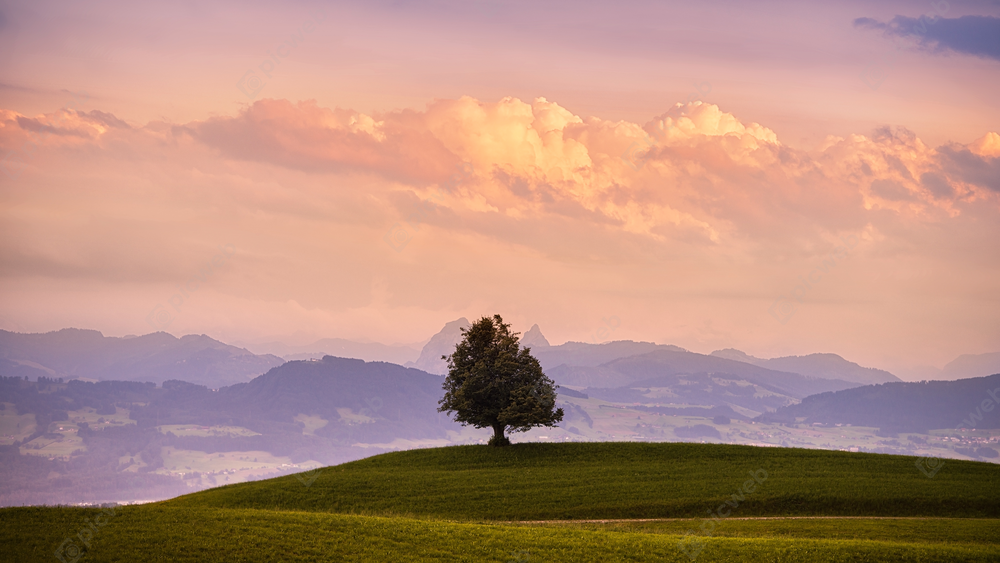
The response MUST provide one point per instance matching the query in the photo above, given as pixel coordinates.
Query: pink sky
(767, 177)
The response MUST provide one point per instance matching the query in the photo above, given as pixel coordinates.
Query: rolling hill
(621, 480)
(902, 407)
(560, 503)
(341, 348)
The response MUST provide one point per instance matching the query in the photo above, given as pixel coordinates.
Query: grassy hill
(458, 504)
(622, 480)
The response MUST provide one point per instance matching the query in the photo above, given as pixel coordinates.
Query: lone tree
(493, 382)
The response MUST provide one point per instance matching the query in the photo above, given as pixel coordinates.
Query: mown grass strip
(158, 533)
(906, 530)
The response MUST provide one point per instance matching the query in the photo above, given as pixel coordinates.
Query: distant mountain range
(828, 366)
(668, 363)
(902, 407)
(199, 359)
(341, 348)
(87, 354)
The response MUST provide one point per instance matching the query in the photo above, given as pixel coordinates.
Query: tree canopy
(494, 383)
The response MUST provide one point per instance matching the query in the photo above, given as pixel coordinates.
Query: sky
(779, 177)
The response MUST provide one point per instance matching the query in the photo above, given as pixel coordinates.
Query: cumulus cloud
(695, 172)
(972, 35)
(971, 168)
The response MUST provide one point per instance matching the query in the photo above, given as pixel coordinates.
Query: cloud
(694, 173)
(65, 123)
(972, 35)
(308, 137)
(971, 168)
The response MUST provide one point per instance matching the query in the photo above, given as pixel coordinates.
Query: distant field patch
(61, 440)
(13, 426)
(221, 468)
(350, 417)
(206, 431)
(310, 424)
(99, 421)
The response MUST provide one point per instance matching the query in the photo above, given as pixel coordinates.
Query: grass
(900, 530)
(162, 533)
(13, 426)
(623, 480)
(457, 504)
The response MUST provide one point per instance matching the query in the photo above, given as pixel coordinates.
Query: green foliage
(493, 383)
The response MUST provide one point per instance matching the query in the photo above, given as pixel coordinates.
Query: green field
(205, 431)
(534, 502)
(13, 426)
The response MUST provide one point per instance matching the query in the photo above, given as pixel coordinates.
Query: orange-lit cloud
(695, 169)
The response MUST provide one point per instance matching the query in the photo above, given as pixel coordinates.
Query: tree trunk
(498, 437)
